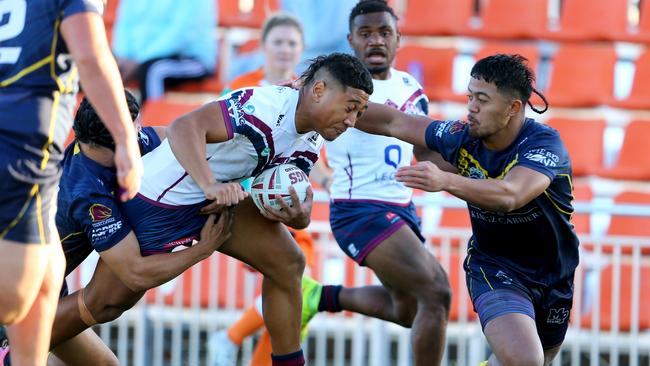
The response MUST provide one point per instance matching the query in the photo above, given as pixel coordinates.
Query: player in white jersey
(371, 214)
(211, 149)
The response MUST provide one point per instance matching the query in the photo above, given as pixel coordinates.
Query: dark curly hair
(90, 129)
(510, 74)
(346, 69)
(370, 6)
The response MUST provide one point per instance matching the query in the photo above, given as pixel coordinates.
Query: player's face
(282, 48)
(488, 109)
(338, 109)
(375, 39)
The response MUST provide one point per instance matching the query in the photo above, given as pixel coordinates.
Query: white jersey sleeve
(262, 133)
(364, 165)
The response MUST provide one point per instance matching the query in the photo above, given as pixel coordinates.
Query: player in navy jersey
(515, 175)
(211, 149)
(45, 46)
(372, 217)
(89, 218)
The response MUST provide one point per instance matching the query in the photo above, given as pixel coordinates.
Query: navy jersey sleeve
(71, 7)
(544, 152)
(446, 137)
(148, 140)
(101, 220)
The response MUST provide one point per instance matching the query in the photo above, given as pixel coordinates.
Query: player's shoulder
(534, 129)
(405, 79)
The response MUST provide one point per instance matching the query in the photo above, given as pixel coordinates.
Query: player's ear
(318, 89)
(350, 39)
(515, 107)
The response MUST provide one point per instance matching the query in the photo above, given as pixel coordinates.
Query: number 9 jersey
(364, 165)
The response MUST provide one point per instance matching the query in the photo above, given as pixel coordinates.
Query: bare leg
(416, 293)
(32, 275)
(106, 298)
(514, 341)
(268, 247)
(84, 349)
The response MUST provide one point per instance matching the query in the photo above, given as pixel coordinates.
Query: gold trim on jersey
(467, 161)
(25, 71)
(21, 213)
(71, 235)
(557, 207)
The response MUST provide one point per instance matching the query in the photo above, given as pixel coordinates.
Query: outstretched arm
(520, 186)
(379, 119)
(140, 273)
(85, 37)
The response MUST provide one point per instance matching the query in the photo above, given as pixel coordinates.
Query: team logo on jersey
(313, 140)
(406, 80)
(280, 118)
(557, 316)
(456, 127)
(542, 156)
(99, 212)
(504, 278)
(353, 250)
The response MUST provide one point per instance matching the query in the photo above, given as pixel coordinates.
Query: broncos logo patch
(99, 212)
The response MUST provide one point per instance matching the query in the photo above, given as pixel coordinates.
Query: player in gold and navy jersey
(45, 47)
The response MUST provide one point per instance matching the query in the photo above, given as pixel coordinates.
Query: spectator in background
(165, 42)
(282, 46)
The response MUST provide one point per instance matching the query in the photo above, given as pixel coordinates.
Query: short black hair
(90, 129)
(510, 73)
(371, 6)
(346, 69)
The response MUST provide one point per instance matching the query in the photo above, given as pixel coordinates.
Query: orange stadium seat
(582, 75)
(632, 162)
(232, 13)
(624, 299)
(436, 17)
(498, 20)
(639, 97)
(576, 135)
(433, 67)
(162, 112)
(458, 288)
(528, 50)
(631, 225)
(110, 13)
(591, 20)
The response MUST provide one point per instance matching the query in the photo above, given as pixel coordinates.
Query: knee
(522, 357)
(14, 306)
(437, 294)
(290, 268)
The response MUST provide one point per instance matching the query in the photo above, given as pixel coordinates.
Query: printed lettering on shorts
(557, 316)
(102, 221)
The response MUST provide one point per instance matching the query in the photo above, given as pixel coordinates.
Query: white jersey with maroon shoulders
(364, 165)
(262, 130)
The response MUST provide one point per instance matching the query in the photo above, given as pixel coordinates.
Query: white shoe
(221, 350)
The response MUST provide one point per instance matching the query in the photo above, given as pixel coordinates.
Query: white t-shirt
(364, 165)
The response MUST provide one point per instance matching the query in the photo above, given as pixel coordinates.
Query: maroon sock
(291, 359)
(329, 299)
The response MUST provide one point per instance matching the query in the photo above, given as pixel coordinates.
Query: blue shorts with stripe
(31, 139)
(496, 290)
(360, 226)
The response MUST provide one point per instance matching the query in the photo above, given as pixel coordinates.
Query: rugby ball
(277, 180)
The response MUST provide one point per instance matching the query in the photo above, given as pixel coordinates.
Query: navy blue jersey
(537, 240)
(38, 79)
(88, 216)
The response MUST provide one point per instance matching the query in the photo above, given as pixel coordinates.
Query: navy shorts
(27, 197)
(496, 291)
(360, 226)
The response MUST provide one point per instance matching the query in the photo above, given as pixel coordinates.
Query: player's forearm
(376, 119)
(154, 270)
(188, 145)
(491, 194)
(102, 84)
